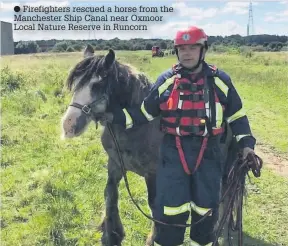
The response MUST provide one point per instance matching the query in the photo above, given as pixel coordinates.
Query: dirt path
(272, 160)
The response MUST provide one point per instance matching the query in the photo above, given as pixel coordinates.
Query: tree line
(256, 42)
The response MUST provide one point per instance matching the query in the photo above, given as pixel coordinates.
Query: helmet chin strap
(200, 60)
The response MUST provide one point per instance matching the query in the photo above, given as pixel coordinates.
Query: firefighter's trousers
(179, 194)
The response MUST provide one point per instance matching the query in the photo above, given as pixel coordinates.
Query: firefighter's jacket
(160, 91)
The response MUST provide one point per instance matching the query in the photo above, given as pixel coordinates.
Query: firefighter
(193, 99)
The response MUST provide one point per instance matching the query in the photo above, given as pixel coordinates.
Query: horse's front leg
(151, 189)
(113, 232)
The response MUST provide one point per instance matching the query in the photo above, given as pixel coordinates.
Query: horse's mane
(123, 80)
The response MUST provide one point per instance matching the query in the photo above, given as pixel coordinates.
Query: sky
(221, 18)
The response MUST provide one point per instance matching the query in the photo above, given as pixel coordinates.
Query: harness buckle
(86, 109)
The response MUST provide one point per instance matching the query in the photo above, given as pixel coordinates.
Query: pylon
(250, 25)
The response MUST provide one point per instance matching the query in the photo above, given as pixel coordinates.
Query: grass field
(52, 190)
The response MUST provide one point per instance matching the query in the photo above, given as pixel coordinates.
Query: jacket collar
(206, 70)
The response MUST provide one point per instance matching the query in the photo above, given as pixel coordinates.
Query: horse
(100, 83)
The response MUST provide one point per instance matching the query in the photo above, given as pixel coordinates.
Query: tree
(163, 45)
(26, 47)
(77, 47)
(275, 46)
(125, 46)
(148, 46)
(61, 46)
(70, 49)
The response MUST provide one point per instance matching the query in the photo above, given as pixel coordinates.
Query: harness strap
(182, 155)
(191, 129)
(210, 81)
(184, 113)
(200, 156)
(190, 87)
(192, 97)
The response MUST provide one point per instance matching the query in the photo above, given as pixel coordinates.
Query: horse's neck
(137, 93)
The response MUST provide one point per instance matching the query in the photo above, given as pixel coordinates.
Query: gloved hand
(246, 151)
(253, 161)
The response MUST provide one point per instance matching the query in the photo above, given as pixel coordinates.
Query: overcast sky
(216, 17)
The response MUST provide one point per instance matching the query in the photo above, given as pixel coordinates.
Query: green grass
(52, 190)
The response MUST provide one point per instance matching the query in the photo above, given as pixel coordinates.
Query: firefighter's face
(189, 54)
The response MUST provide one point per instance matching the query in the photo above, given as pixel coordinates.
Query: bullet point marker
(16, 8)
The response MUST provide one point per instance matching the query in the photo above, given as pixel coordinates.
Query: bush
(26, 47)
(10, 81)
(259, 48)
(77, 47)
(275, 46)
(224, 49)
(61, 46)
(218, 48)
(70, 49)
(246, 51)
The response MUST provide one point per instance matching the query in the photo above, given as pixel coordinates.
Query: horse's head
(90, 81)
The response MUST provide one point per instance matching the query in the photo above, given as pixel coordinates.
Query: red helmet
(191, 35)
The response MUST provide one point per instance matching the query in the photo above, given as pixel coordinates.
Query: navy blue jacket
(160, 91)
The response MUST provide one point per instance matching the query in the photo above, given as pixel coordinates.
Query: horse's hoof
(106, 243)
(112, 239)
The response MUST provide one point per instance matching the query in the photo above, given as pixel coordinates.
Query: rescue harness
(193, 108)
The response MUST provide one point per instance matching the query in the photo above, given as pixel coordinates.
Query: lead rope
(236, 179)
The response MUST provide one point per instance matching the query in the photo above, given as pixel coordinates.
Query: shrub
(10, 81)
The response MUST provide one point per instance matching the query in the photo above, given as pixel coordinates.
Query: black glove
(253, 161)
(247, 151)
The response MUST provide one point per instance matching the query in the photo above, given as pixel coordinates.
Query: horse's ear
(89, 51)
(109, 59)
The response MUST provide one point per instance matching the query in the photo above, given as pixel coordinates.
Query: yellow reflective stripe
(184, 208)
(199, 210)
(165, 85)
(238, 137)
(219, 114)
(147, 115)
(161, 89)
(156, 244)
(129, 121)
(224, 88)
(236, 116)
(177, 210)
(193, 243)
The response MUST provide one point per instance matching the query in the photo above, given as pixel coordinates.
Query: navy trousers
(179, 194)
